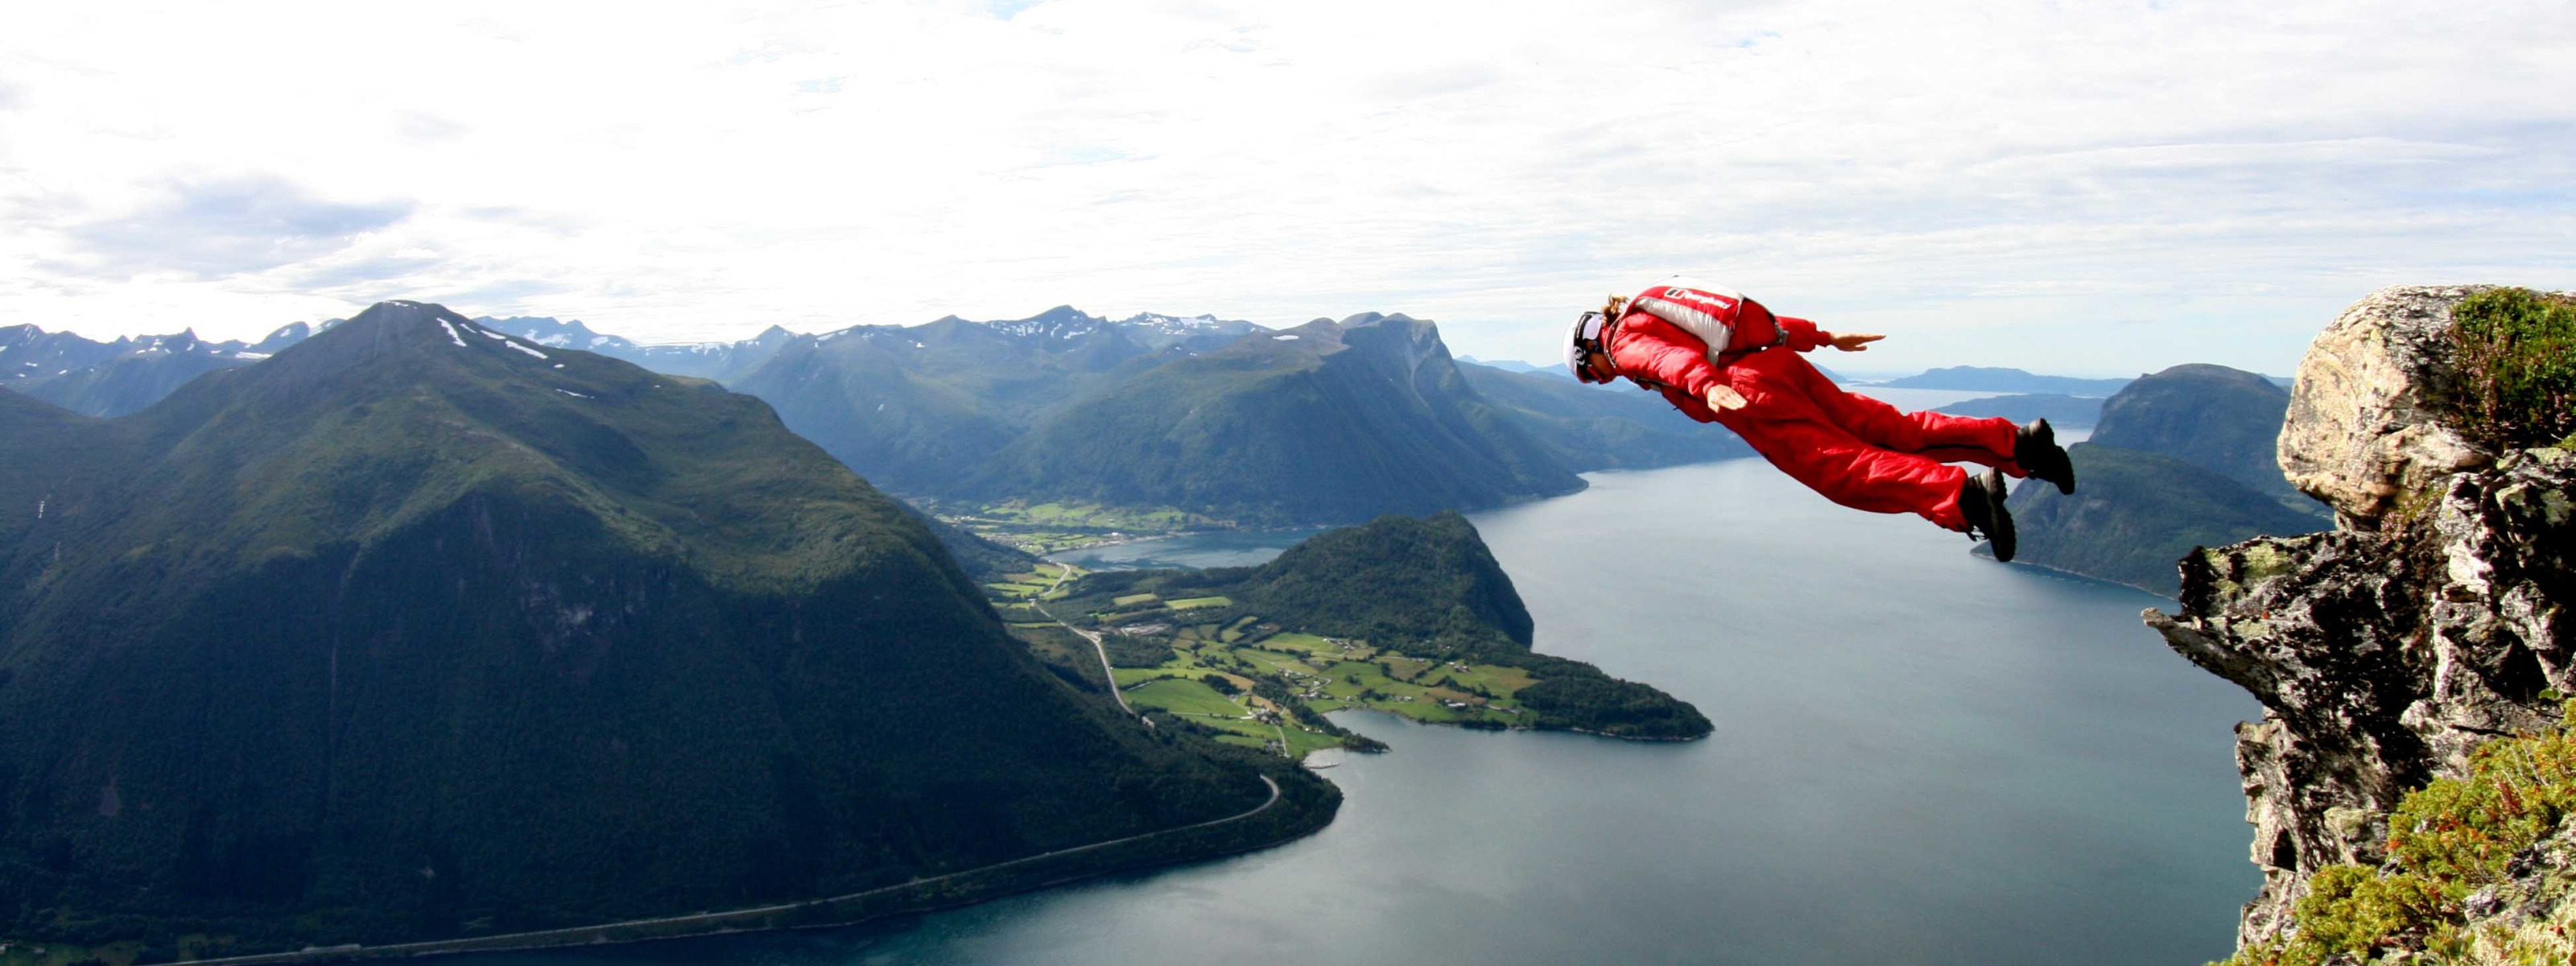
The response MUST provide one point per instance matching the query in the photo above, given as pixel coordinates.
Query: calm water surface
(1921, 757)
(1243, 548)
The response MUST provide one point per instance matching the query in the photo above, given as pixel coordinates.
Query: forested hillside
(419, 629)
(2181, 458)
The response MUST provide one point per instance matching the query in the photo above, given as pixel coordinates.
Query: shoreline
(931, 895)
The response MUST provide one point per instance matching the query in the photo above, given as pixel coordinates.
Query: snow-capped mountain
(1196, 333)
(558, 334)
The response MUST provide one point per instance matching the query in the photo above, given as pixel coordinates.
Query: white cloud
(1998, 184)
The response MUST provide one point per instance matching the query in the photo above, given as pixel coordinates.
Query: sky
(2081, 188)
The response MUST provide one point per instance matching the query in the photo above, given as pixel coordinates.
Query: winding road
(1094, 637)
(672, 927)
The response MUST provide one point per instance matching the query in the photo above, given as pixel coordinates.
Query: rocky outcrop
(2361, 428)
(2432, 620)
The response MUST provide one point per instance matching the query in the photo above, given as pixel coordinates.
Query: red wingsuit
(1857, 451)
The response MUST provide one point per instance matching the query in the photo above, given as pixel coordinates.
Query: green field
(1049, 527)
(1292, 667)
(1182, 696)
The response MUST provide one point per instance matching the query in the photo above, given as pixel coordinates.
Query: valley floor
(1255, 684)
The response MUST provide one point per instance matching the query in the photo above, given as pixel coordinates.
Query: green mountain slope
(2215, 417)
(2135, 513)
(417, 629)
(1321, 423)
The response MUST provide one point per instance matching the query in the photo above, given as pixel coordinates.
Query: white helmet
(1582, 340)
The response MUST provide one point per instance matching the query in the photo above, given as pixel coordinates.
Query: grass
(1495, 680)
(1293, 641)
(2447, 840)
(2517, 360)
(1183, 696)
(1051, 527)
(1292, 675)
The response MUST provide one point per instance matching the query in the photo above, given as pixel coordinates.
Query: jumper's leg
(1941, 436)
(1790, 432)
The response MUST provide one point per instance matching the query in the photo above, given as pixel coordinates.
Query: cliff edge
(2431, 621)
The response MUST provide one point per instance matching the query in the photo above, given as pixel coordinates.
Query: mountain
(119, 377)
(2062, 411)
(918, 409)
(1197, 333)
(557, 334)
(419, 629)
(2212, 416)
(1325, 422)
(2408, 780)
(29, 355)
(720, 361)
(2181, 458)
(1990, 379)
(960, 409)
(2134, 513)
(1602, 427)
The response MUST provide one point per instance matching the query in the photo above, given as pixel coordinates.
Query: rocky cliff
(2432, 620)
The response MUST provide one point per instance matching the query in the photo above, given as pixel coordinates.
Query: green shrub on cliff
(2517, 354)
(2447, 841)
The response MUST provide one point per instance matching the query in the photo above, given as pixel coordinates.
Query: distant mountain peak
(1065, 313)
(564, 334)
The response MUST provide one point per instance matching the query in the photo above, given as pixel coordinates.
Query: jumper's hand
(1722, 397)
(1855, 341)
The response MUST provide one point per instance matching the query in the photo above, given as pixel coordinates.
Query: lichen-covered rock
(2434, 620)
(2363, 426)
(2382, 658)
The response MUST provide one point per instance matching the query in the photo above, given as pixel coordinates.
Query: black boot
(2035, 448)
(1981, 500)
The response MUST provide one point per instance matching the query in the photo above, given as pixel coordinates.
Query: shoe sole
(2001, 539)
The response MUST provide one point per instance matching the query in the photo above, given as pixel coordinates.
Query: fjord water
(1921, 758)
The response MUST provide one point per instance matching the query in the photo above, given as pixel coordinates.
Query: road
(1094, 637)
(669, 927)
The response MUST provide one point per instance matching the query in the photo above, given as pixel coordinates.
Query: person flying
(1716, 356)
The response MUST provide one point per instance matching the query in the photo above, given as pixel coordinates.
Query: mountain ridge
(1321, 423)
(579, 638)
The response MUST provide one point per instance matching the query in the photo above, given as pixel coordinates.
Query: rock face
(2431, 621)
(2361, 430)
